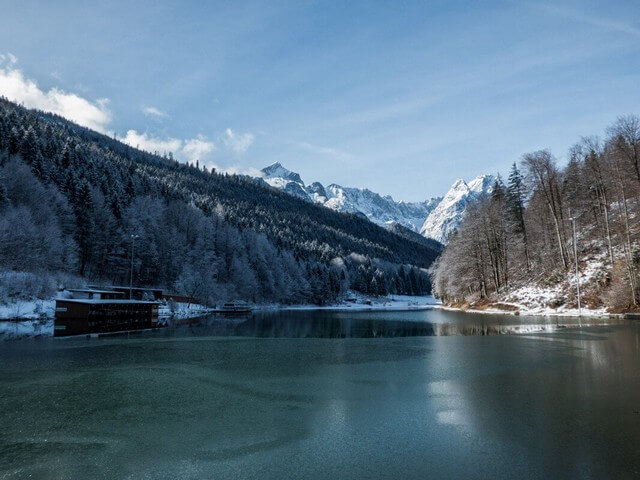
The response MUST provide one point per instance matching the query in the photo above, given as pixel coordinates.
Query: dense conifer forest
(71, 199)
(522, 235)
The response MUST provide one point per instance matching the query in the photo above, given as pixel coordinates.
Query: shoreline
(390, 303)
(30, 327)
(569, 313)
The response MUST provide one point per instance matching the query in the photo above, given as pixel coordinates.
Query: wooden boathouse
(77, 316)
(100, 309)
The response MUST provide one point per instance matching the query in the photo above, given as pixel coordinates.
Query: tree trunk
(627, 247)
(559, 237)
(606, 225)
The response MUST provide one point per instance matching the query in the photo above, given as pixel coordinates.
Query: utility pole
(133, 243)
(575, 255)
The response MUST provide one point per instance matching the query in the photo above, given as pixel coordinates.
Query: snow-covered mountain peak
(482, 184)
(317, 188)
(276, 170)
(446, 217)
(459, 189)
(458, 186)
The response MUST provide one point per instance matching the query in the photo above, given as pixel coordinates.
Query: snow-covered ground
(28, 309)
(533, 300)
(536, 300)
(542, 300)
(559, 299)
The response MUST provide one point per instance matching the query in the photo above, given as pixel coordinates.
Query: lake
(380, 395)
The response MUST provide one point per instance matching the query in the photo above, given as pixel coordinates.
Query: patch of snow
(279, 183)
(182, 310)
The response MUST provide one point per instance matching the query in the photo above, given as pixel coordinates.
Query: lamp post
(133, 243)
(575, 256)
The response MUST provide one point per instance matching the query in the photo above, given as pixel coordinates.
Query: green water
(325, 395)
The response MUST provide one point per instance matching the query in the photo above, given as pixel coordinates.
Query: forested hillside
(519, 240)
(71, 198)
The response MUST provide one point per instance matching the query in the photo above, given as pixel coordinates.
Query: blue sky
(400, 97)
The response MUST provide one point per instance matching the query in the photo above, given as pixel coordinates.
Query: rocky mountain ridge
(434, 218)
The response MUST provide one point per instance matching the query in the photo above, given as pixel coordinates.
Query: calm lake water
(322, 395)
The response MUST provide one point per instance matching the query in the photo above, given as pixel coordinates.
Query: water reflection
(577, 389)
(320, 324)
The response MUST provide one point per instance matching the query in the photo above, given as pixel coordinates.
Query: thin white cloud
(9, 58)
(327, 151)
(239, 170)
(153, 112)
(16, 87)
(238, 143)
(190, 150)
